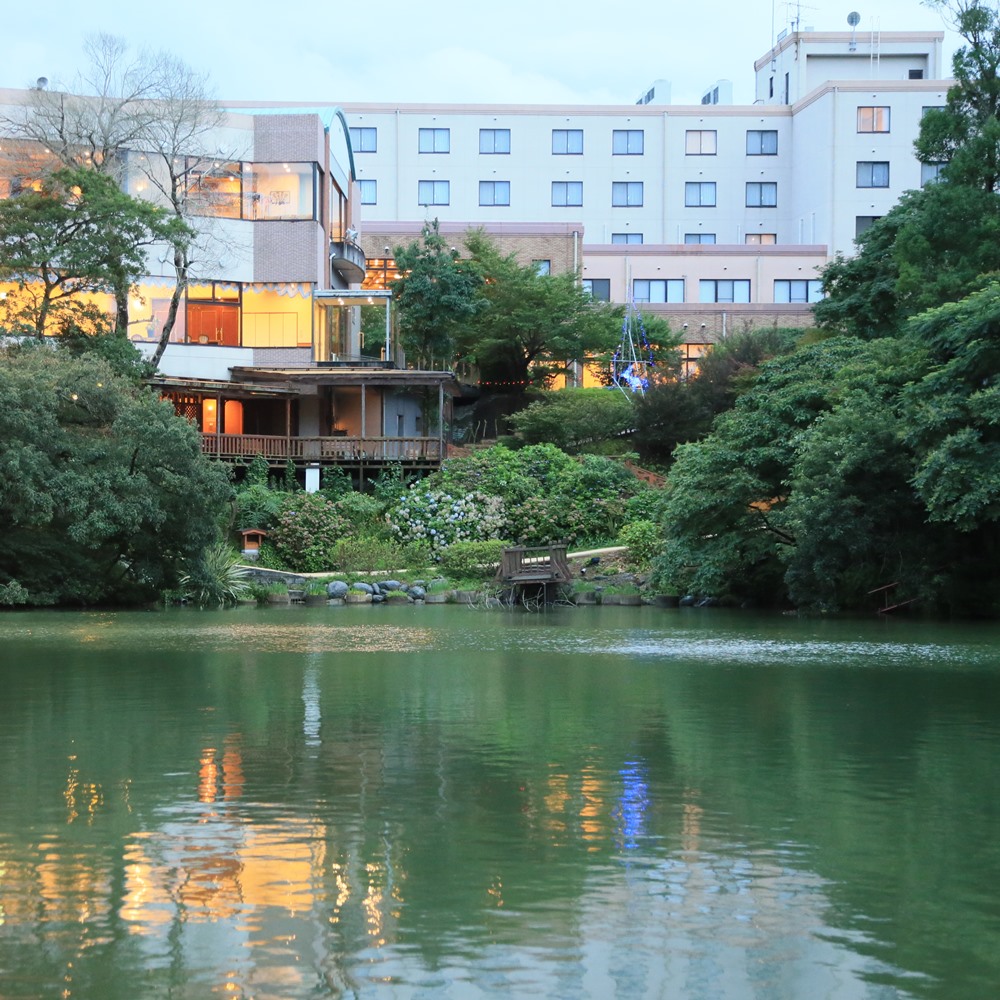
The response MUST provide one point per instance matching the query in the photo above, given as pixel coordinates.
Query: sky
(440, 51)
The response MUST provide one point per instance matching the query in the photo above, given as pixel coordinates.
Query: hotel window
(699, 237)
(930, 172)
(798, 290)
(434, 140)
(700, 142)
(567, 141)
(433, 192)
(494, 192)
(873, 174)
(658, 290)
(762, 194)
(863, 223)
(727, 290)
(626, 194)
(567, 193)
(931, 107)
(873, 119)
(599, 289)
(364, 140)
(760, 239)
(542, 267)
(627, 141)
(632, 238)
(369, 192)
(762, 142)
(494, 140)
(699, 194)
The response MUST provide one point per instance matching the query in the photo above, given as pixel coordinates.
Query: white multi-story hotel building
(713, 214)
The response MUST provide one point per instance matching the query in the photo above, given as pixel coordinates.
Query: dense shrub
(643, 541)
(257, 506)
(358, 554)
(308, 527)
(438, 518)
(472, 560)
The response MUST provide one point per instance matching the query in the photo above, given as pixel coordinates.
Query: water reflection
(226, 818)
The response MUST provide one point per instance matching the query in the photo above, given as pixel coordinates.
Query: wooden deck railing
(322, 449)
(535, 564)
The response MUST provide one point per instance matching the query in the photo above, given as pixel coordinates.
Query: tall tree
(145, 112)
(79, 233)
(965, 134)
(534, 326)
(436, 293)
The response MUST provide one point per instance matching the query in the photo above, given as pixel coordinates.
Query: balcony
(351, 451)
(348, 261)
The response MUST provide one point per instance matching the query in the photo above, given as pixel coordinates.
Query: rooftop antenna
(853, 19)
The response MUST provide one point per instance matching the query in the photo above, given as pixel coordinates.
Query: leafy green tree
(78, 234)
(104, 492)
(728, 514)
(936, 245)
(964, 135)
(575, 419)
(436, 293)
(679, 411)
(533, 326)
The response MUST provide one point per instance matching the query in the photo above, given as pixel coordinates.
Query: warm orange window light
(209, 417)
(232, 413)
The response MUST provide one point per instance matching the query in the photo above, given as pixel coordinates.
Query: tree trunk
(181, 268)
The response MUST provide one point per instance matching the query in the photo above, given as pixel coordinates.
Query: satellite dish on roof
(854, 19)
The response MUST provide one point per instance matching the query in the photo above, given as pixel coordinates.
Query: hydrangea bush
(438, 518)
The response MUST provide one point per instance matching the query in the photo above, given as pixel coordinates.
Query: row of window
(569, 141)
(624, 142)
(569, 194)
(735, 290)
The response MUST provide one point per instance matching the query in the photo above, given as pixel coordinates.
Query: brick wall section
(289, 251)
(560, 248)
(288, 138)
(282, 357)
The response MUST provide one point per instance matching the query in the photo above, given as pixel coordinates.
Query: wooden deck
(278, 449)
(534, 564)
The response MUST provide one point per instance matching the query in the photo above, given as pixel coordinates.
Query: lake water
(446, 802)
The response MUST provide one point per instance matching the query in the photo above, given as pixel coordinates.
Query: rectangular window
(701, 142)
(599, 289)
(433, 192)
(567, 141)
(762, 194)
(798, 290)
(434, 140)
(873, 174)
(216, 188)
(567, 193)
(699, 194)
(282, 191)
(658, 290)
(761, 239)
(627, 141)
(864, 222)
(626, 194)
(930, 172)
(915, 74)
(494, 192)
(633, 238)
(736, 290)
(369, 192)
(543, 267)
(873, 119)
(699, 237)
(762, 142)
(494, 140)
(364, 140)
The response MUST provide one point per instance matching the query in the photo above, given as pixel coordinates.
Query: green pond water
(447, 802)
